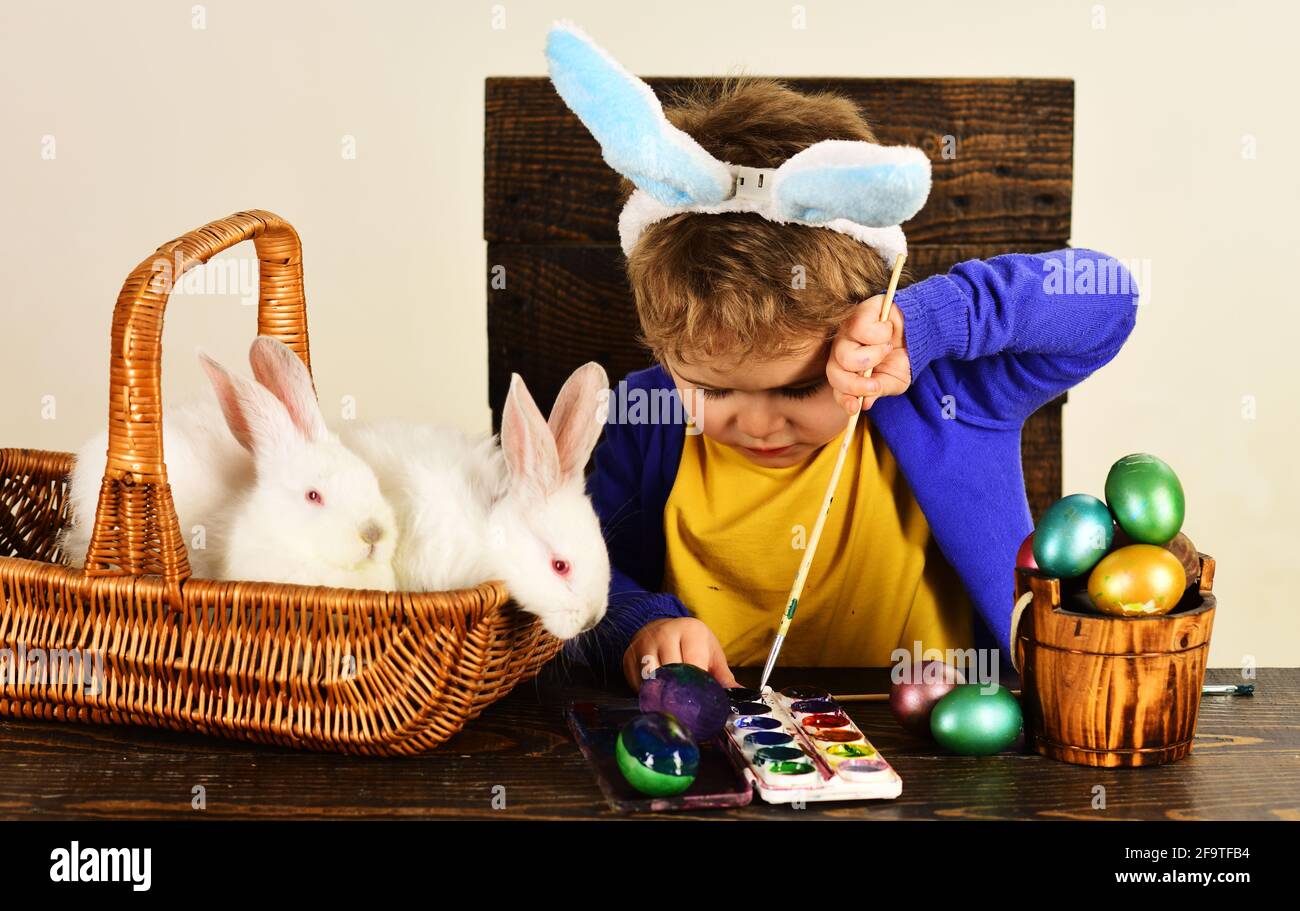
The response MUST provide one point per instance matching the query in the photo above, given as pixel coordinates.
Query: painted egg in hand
(1137, 581)
(689, 694)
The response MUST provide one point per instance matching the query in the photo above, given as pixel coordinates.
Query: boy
(706, 519)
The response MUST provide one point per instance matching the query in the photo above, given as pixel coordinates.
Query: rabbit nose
(371, 532)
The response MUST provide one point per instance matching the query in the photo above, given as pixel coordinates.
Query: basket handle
(136, 531)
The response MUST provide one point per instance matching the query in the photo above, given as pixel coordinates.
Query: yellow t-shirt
(735, 534)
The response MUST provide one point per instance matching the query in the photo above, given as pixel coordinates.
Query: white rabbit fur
(469, 511)
(242, 462)
(203, 461)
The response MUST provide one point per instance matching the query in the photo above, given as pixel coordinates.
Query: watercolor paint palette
(798, 744)
(811, 751)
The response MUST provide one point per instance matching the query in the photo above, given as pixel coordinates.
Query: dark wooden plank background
(1002, 154)
(1243, 766)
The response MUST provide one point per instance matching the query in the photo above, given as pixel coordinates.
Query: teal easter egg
(1146, 497)
(1073, 534)
(656, 755)
(974, 723)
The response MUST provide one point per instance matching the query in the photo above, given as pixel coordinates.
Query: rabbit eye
(314, 496)
(561, 567)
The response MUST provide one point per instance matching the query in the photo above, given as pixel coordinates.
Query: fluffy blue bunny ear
(628, 121)
(874, 185)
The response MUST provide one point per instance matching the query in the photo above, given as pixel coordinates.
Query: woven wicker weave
(316, 668)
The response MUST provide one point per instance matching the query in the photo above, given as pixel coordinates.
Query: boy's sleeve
(615, 489)
(1006, 335)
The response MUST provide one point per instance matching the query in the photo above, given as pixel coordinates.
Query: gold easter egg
(1140, 580)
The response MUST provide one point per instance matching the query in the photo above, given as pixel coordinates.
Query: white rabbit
(279, 497)
(469, 511)
(204, 463)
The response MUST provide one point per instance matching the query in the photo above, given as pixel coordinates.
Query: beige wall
(159, 126)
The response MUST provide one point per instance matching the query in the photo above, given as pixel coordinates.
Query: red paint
(837, 735)
(826, 720)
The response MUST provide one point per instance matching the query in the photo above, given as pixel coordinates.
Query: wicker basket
(345, 670)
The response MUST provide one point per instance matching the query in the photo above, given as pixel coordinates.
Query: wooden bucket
(1110, 691)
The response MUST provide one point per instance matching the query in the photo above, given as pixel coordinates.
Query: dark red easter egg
(1183, 548)
(1025, 555)
(914, 690)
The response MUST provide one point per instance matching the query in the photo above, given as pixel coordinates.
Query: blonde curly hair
(737, 285)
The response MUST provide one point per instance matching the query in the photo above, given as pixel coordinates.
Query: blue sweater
(989, 343)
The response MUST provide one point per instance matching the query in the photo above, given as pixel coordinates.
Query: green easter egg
(1073, 534)
(973, 723)
(1146, 497)
(657, 755)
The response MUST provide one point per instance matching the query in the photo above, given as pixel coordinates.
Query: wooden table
(1245, 765)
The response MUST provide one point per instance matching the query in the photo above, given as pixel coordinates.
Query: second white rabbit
(468, 511)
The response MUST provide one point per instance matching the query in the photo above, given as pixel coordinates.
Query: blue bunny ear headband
(857, 188)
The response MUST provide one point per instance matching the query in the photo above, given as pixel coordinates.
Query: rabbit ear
(527, 442)
(873, 185)
(256, 418)
(578, 416)
(628, 121)
(283, 373)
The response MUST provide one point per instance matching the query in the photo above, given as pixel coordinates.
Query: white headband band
(858, 188)
(642, 210)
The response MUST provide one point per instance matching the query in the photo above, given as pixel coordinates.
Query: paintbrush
(792, 602)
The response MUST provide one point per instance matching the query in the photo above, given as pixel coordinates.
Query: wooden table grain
(518, 762)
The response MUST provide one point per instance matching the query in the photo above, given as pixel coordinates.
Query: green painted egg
(1073, 534)
(1146, 497)
(974, 723)
(656, 755)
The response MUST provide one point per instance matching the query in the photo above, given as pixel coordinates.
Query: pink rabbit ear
(527, 442)
(578, 417)
(285, 375)
(255, 417)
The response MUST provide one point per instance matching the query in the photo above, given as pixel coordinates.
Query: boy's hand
(864, 341)
(671, 640)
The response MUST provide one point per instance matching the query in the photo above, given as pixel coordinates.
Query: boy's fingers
(718, 668)
(866, 332)
(697, 653)
(855, 358)
(670, 652)
(853, 385)
(888, 383)
(851, 382)
(865, 323)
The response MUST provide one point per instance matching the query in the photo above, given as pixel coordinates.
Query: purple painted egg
(916, 691)
(689, 694)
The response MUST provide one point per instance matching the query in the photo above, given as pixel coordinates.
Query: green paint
(797, 767)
